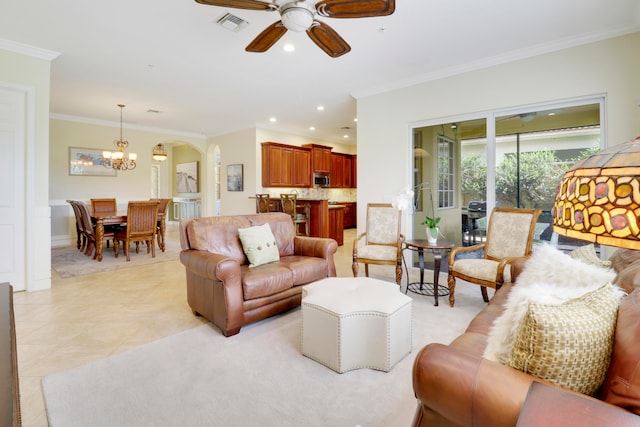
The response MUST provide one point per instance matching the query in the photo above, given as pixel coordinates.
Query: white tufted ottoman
(352, 323)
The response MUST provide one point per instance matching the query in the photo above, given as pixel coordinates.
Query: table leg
(99, 236)
(421, 262)
(437, 257)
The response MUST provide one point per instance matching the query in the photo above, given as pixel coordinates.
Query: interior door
(12, 177)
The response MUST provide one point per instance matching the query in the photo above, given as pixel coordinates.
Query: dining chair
(163, 207)
(509, 235)
(262, 203)
(381, 243)
(81, 241)
(103, 205)
(89, 231)
(142, 226)
(290, 206)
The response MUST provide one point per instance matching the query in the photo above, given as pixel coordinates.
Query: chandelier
(116, 159)
(158, 153)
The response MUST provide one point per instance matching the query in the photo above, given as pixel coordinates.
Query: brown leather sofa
(221, 286)
(455, 386)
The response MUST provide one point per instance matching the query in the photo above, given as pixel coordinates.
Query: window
(446, 172)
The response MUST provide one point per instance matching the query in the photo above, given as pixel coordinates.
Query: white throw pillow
(259, 244)
(549, 277)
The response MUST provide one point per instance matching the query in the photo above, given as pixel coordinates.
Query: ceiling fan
(300, 16)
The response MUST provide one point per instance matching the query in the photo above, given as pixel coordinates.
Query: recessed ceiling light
(289, 47)
(355, 120)
(551, 114)
(312, 128)
(320, 108)
(273, 119)
(345, 136)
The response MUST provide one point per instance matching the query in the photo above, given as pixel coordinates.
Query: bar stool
(290, 207)
(262, 203)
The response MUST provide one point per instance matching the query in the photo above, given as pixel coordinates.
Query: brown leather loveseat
(224, 289)
(455, 386)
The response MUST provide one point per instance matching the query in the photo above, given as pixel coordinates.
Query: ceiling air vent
(232, 22)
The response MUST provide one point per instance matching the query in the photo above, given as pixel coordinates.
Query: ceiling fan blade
(240, 4)
(355, 8)
(327, 39)
(267, 38)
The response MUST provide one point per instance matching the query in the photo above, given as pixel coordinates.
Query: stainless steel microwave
(321, 179)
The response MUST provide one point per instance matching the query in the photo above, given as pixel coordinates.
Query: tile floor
(91, 317)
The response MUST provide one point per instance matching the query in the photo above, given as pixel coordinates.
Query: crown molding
(98, 122)
(498, 60)
(28, 50)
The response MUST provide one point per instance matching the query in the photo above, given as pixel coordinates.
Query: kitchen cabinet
(301, 170)
(350, 214)
(342, 170)
(336, 223)
(285, 165)
(337, 170)
(354, 171)
(320, 158)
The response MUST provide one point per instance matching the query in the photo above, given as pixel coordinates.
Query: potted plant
(432, 228)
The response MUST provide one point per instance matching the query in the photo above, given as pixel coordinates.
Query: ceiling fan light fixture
(297, 16)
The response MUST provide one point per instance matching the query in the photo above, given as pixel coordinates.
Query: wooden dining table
(100, 219)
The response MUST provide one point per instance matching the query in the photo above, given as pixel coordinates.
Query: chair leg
(115, 248)
(451, 281)
(399, 274)
(126, 250)
(485, 296)
(151, 244)
(355, 268)
(366, 270)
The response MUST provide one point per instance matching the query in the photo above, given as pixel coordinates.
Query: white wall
(30, 70)
(608, 67)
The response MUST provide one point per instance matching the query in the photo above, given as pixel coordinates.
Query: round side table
(437, 249)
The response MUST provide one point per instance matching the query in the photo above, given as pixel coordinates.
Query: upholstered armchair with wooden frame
(142, 226)
(381, 243)
(509, 236)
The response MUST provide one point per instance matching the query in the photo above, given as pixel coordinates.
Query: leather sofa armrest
(317, 247)
(210, 266)
(467, 389)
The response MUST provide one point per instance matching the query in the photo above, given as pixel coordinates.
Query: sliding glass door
(516, 161)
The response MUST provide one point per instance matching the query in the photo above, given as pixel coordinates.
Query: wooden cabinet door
(320, 158)
(347, 176)
(337, 170)
(301, 168)
(354, 171)
(277, 165)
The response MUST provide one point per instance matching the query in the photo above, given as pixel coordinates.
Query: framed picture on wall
(235, 180)
(87, 162)
(187, 177)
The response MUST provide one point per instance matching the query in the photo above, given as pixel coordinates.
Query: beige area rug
(70, 262)
(256, 378)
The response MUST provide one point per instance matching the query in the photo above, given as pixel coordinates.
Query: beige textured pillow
(259, 245)
(550, 277)
(568, 344)
(587, 253)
